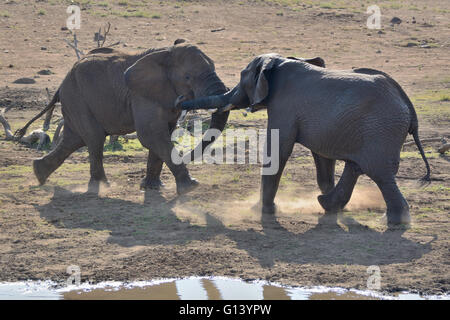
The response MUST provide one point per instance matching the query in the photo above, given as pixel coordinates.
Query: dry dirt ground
(126, 234)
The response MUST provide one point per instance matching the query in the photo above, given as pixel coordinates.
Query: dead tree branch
(75, 46)
(35, 136)
(56, 136)
(48, 116)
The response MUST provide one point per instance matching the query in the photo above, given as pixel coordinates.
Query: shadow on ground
(154, 222)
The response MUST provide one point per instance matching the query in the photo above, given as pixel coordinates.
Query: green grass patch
(416, 154)
(131, 14)
(16, 169)
(438, 189)
(432, 103)
(241, 115)
(123, 147)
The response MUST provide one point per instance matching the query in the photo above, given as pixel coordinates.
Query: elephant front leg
(278, 150)
(152, 179)
(158, 140)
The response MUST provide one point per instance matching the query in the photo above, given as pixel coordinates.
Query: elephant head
(252, 89)
(180, 70)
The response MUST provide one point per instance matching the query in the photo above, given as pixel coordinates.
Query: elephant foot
(94, 185)
(151, 184)
(331, 202)
(41, 171)
(269, 209)
(398, 217)
(184, 187)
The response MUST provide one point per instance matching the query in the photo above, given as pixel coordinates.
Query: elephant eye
(187, 77)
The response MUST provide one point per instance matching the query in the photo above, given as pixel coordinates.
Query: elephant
(110, 92)
(359, 116)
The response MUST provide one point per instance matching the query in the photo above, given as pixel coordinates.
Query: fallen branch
(411, 143)
(35, 136)
(444, 148)
(113, 45)
(129, 137)
(56, 136)
(48, 116)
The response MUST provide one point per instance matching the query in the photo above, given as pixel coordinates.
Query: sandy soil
(126, 234)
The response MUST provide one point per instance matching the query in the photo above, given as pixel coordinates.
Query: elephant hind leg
(95, 149)
(397, 207)
(45, 166)
(338, 198)
(325, 172)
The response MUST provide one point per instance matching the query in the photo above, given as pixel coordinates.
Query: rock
(64, 28)
(396, 20)
(45, 72)
(411, 44)
(381, 32)
(98, 37)
(43, 48)
(25, 81)
(11, 66)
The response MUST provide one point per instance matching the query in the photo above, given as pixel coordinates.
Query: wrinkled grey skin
(360, 116)
(110, 92)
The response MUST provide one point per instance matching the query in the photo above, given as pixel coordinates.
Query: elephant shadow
(155, 222)
(128, 223)
(326, 243)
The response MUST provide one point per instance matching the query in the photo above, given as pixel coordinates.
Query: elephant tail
(415, 134)
(414, 131)
(21, 132)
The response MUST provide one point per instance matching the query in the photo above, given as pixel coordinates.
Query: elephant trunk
(213, 86)
(208, 102)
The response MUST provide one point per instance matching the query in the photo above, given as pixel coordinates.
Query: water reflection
(194, 288)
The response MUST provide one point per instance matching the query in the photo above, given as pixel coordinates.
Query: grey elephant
(111, 92)
(360, 116)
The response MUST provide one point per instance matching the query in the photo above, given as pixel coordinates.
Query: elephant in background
(360, 116)
(110, 92)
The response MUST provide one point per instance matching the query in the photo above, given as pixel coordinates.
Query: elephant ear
(148, 78)
(317, 61)
(255, 79)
